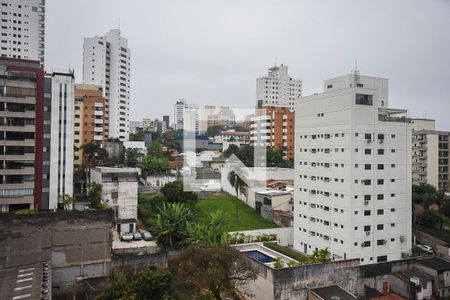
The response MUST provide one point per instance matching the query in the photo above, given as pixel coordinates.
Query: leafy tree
(147, 205)
(232, 149)
(174, 192)
(169, 225)
(209, 233)
(239, 186)
(430, 218)
(152, 165)
(219, 270)
(424, 194)
(138, 136)
(319, 256)
(94, 154)
(95, 195)
(147, 284)
(155, 149)
(278, 263)
(214, 130)
(132, 157)
(67, 201)
(240, 128)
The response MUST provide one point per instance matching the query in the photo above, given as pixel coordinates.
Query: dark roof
(371, 293)
(435, 263)
(408, 275)
(332, 292)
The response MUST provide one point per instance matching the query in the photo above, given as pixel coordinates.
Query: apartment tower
(353, 172)
(430, 154)
(278, 89)
(276, 126)
(106, 62)
(58, 138)
(21, 134)
(91, 123)
(23, 29)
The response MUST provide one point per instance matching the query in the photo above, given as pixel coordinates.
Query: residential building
(353, 172)
(439, 269)
(21, 134)
(278, 89)
(120, 192)
(134, 125)
(412, 284)
(166, 120)
(150, 125)
(270, 202)
(186, 116)
(91, 118)
(430, 154)
(276, 127)
(178, 112)
(211, 115)
(23, 29)
(59, 102)
(106, 62)
(241, 137)
(138, 145)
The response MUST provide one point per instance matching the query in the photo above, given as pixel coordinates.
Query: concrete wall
(429, 240)
(132, 263)
(293, 283)
(284, 234)
(78, 243)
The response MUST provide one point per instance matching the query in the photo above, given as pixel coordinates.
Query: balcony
(16, 200)
(18, 185)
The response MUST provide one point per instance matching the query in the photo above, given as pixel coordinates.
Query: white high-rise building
(178, 111)
(58, 136)
(353, 172)
(278, 89)
(22, 29)
(106, 62)
(186, 116)
(430, 154)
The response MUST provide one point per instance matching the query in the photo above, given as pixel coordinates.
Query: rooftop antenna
(119, 23)
(356, 67)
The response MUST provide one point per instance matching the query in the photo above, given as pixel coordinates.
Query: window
(393, 136)
(392, 209)
(380, 167)
(380, 227)
(380, 181)
(380, 212)
(392, 180)
(367, 182)
(366, 244)
(367, 212)
(392, 165)
(380, 151)
(380, 242)
(381, 136)
(392, 150)
(356, 149)
(380, 197)
(368, 136)
(367, 228)
(367, 166)
(367, 151)
(362, 99)
(367, 197)
(392, 224)
(382, 258)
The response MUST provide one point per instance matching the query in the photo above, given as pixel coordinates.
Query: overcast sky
(210, 52)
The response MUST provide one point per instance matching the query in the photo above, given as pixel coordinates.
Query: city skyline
(315, 48)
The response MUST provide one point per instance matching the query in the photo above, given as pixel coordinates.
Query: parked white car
(426, 249)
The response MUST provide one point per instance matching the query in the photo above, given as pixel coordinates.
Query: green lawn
(248, 219)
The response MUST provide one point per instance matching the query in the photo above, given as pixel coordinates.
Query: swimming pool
(259, 256)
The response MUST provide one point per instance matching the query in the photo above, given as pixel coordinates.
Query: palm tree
(169, 225)
(239, 186)
(211, 233)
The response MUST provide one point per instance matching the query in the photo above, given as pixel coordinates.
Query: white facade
(186, 116)
(23, 29)
(106, 62)
(430, 154)
(178, 112)
(61, 136)
(278, 89)
(120, 192)
(352, 172)
(139, 145)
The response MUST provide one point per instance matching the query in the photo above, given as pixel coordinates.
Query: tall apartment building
(353, 172)
(211, 115)
(22, 29)
(186, 116)
(106, 62)
(58, 148)
(166, 120)
(276, 127)
(278, 89)
(21, 134)
(91, 120)
(430, 154)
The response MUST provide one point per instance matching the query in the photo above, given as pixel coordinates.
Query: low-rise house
(266, 202)
(120, 192)
(439, 270)
(240, 137)
(412, 284)
(332, 292)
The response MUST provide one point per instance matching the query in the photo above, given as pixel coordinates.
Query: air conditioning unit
(366, 202)
(402, 238)
(367, 232)
(368, 141)
(381, 141)
(405, 254)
